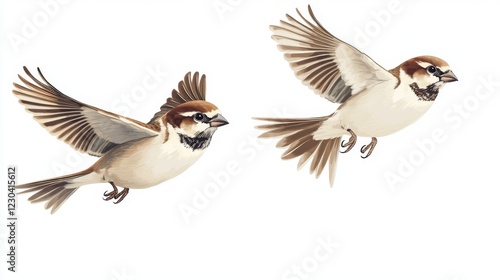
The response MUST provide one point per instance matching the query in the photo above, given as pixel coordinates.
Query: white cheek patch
(192, 130)
(439, 84)
(426, 81)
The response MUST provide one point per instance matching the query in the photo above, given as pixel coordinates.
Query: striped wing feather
(330, 67)
(85, 128)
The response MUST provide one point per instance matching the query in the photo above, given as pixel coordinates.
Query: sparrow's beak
(218, 120)
(448, 77)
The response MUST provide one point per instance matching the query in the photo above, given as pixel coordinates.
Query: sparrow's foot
(369, 148)
(121, 195)
(110, 195)
(114, 194)
(350, 143)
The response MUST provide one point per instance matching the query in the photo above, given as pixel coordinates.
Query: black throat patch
(425, 94)
(195, 143)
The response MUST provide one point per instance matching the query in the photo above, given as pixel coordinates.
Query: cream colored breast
(382, 110)
(151, 162)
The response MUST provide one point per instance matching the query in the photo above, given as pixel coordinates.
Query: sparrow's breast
(382, 110)
(147, 162)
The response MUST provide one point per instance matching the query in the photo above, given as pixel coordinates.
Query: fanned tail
(54, 191)
(297, 136)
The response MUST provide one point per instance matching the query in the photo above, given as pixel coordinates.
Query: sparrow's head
(428, 74)
(195, 122)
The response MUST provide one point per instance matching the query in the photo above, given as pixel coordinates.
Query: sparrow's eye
(431, 69)
(198, 117)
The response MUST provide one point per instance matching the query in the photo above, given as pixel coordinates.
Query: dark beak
(448, 77)
(217, 121)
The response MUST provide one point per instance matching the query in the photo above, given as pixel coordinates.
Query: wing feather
(86, 128)
(330, 67)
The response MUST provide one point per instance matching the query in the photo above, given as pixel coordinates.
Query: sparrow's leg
(111, 194)
(114, 194)
(350, 143)
(121, 195)
(369, 148)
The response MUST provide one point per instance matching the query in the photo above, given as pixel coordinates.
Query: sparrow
(374, 102)
(132, 154)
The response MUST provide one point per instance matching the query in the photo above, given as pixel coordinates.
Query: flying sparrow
(133, 155)
(374, 102)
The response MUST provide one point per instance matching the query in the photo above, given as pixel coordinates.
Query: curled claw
(368, 148)
(114, 194)
(110, 195)
(350, 143)
(342, 144)
(363, 149)
(107, 194)
(121, 195)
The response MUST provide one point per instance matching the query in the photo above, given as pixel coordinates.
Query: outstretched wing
(85, 128)
(332, 68)
(189, 89)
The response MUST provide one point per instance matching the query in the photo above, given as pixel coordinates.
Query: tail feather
(54, 191)
(297, 136)
(324, 152)
(300, 147)
(309, 149)
(292, 125)
(45, 193)
(59, 199)
(333, 158)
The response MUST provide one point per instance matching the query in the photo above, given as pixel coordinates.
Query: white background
(442, 221)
